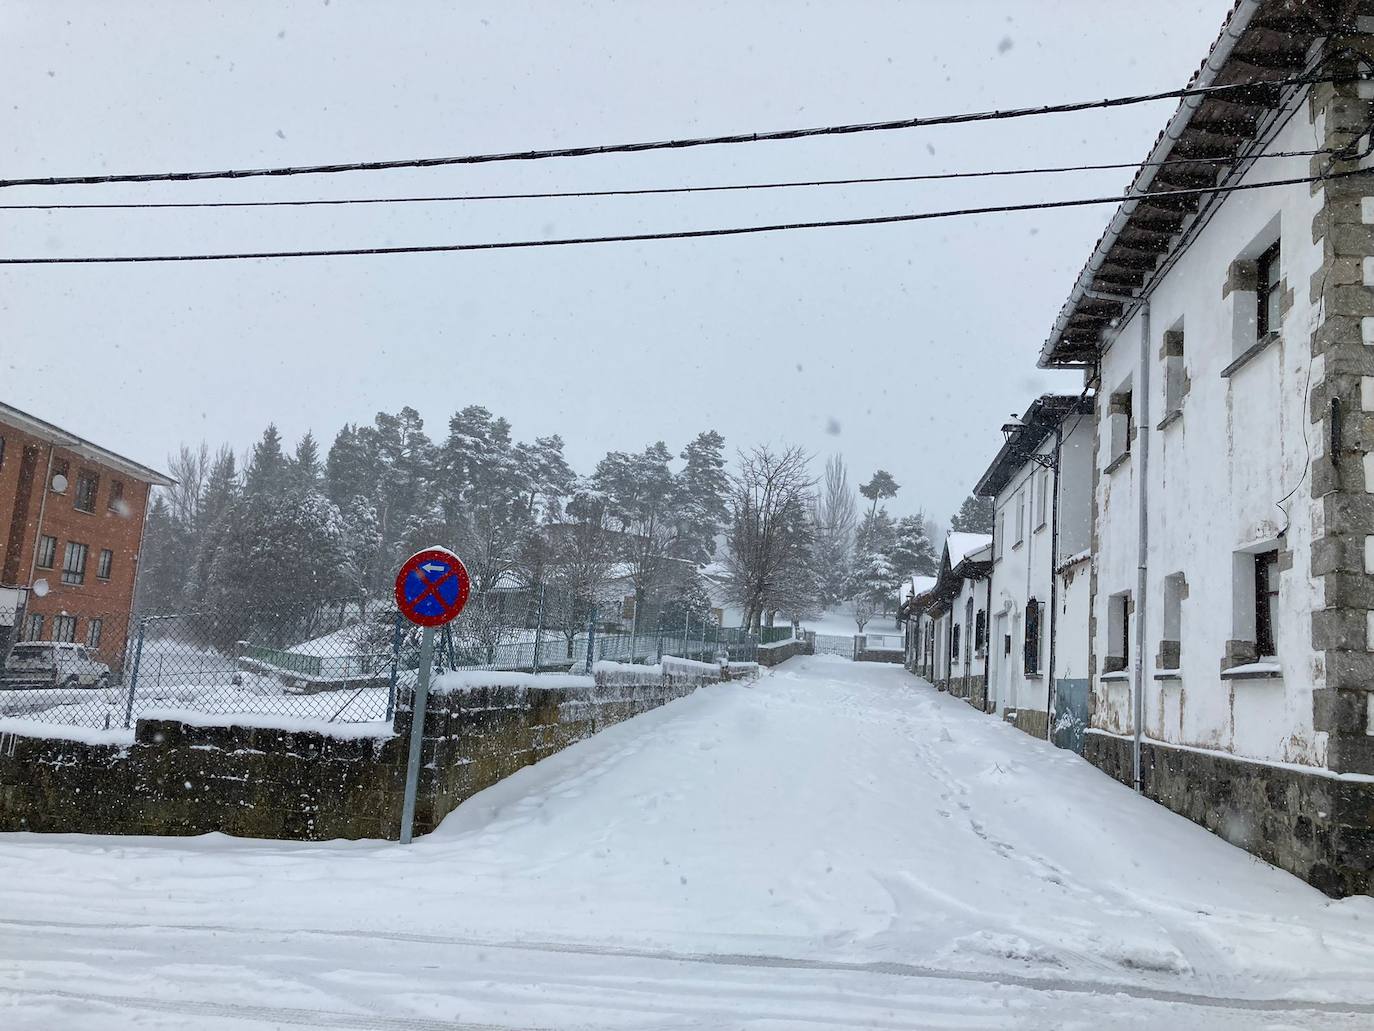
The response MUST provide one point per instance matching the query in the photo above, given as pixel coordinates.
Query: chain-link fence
(339, 662)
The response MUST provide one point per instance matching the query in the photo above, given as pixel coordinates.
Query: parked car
(57, 663)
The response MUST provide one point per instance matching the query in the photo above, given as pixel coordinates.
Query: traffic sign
(432, 587)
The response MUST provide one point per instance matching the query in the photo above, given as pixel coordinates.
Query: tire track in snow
(288, 1016)
(751, 960)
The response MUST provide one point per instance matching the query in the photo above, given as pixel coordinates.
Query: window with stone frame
(980, 632)
(954, 643)
(1266, 604)
(1043, 496)
(1170, 645)
(1118, 654)
(1031, 650)
(1175, 372)
(1120, 424)
(1020, 516)
(1267, 293)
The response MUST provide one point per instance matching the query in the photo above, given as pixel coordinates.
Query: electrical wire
(689, 234)
(656, 191)
(1238, 88)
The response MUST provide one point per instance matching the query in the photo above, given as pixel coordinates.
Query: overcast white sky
(916, 340)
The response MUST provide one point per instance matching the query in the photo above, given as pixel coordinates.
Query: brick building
(71, 528)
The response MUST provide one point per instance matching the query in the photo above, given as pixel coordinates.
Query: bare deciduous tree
(834, 515)
(769, 493)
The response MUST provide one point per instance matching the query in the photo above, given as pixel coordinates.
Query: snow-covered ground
(832, 845)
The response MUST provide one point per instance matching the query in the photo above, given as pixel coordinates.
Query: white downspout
(1142, 489)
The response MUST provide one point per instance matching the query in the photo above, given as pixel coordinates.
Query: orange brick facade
(102, 506)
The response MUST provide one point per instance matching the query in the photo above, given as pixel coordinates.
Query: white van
(55, 662)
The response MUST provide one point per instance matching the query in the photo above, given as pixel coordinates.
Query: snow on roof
(921, 584)
(961, 545)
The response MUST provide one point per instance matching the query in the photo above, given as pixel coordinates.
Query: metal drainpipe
(1054, 581)
(1142, 489)
(42, 509)
(987, 639)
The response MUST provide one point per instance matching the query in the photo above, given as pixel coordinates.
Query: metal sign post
(431, 589)
(417, 734)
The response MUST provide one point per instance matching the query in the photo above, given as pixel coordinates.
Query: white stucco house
(1040, 483)
(946, 624)
(1226, 327)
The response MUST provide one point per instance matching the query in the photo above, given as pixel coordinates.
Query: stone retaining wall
(1317, 826)
(180, 776)
(772, 654)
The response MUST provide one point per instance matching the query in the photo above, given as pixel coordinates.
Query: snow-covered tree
(834, 516)
(975, 515)
(912, 552)
(872, 585)
(702, 488)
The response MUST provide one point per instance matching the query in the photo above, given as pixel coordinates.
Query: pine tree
(880, 488)
(303, 469)
(702, 487)
(975, 515)
(912, 552)
(267, 468)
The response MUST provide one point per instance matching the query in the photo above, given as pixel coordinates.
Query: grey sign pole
(417, 734)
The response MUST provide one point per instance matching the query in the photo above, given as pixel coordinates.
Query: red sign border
(413, 563)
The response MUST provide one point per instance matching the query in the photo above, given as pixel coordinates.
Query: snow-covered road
(834, 846)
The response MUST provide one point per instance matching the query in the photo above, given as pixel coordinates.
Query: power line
(1239, 88)
(654, 191)
(689, 234)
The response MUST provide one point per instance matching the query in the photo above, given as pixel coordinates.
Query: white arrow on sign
(433, 567)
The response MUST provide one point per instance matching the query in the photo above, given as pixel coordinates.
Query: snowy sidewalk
(834, 846)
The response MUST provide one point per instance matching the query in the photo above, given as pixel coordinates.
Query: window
(1175, 375)
(47, 552)
(627, 607)
(93, 631)
(954, 643)
(87, 487)
(1118, 654)
(1266, 603)
(2, 452)
(34, 630)
(1267, 298)
(1042, 515)
(64, 629)
(1020, 516)
(1175, 590)
(1001, 533)
(74, 565)
(102, 568)
(968, 638)
(980, 631)
(1032, 644)
(59, 468)
(116, 499)
(1120, 424)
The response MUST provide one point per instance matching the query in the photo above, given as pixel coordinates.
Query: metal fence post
(660, 637)
(133, 677)
(397, 636)
(591, 640)
(687, 635)
(538, 631)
